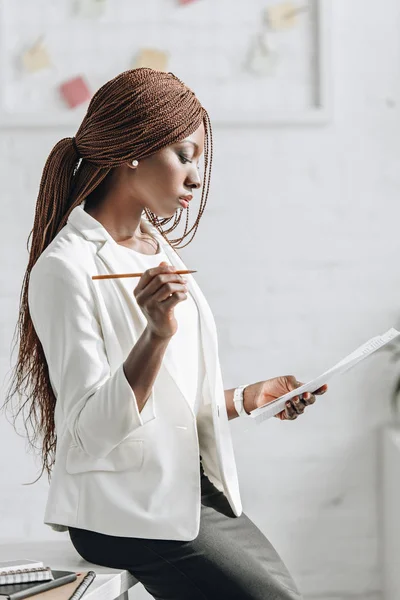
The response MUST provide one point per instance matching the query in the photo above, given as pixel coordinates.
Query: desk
(109, 584)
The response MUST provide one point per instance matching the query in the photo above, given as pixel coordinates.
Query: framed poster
(252, 63)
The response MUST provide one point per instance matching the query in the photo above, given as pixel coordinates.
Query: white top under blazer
(185, 346)
(119, 471)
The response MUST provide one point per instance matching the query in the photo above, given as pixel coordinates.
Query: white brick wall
(311, 275)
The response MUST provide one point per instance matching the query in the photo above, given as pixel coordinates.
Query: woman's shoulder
(69, 255)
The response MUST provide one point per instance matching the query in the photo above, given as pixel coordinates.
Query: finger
(308, 398)
(298, 405)
(162, 282)
(281, 415)
(321, 390)
(297, 384)
(289, 412)
(149, 274)
(292, 382)
(167, 290)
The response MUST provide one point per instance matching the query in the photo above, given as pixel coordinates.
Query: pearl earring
(135, 163)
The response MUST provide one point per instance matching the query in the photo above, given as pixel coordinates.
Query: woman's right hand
(157, 293)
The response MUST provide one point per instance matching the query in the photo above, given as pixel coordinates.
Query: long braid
(132, 116)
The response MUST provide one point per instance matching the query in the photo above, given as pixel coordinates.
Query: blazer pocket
(128, 455)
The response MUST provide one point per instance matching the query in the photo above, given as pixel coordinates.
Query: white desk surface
(108, 584)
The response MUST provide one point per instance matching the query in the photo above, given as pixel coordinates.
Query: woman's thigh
(230, 558)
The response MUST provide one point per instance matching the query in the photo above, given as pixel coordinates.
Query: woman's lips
(183, 202)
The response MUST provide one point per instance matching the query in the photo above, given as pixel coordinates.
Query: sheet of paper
(349, 361)
(263, 56)
(152, 58)
(36, 58)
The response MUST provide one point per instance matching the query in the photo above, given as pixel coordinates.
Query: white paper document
(276, 406)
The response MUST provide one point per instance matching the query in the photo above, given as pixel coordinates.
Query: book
(26, 575)
(70, 591)
(272, 408)
(23, 563)
(18, 591)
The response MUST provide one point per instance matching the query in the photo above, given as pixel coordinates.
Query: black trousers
(229, 559)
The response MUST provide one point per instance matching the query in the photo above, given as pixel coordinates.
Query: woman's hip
(230, 557)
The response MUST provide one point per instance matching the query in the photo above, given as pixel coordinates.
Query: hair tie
(76, 147)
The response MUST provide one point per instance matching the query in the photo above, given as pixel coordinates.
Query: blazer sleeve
(99, 408)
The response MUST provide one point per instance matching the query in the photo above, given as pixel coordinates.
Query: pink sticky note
(75, 91)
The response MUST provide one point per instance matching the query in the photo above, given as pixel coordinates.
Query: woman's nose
(194, 181)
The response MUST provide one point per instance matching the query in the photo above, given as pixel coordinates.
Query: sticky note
(36, 58)
(75, 91)
(90, 8)
(150, 57)
(283, 15)
(263, 56)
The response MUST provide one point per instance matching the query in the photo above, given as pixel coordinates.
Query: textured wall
(297, 254)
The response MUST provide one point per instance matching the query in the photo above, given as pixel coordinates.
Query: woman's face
(160, 180)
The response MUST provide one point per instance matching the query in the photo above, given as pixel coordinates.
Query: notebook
(10, 566)
(70, 591)
(25, 575)
(18, 591)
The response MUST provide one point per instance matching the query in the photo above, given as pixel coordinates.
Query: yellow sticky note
(150, 57)
(36, 58)
(283, 15)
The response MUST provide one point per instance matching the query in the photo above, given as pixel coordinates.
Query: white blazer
(119, 471)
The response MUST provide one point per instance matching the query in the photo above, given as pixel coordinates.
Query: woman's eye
(184, 159)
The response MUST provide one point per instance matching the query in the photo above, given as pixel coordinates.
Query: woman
(124, 373)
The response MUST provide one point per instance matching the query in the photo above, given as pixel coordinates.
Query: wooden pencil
(118, 275)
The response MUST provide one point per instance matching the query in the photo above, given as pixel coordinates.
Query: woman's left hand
(262, 392)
